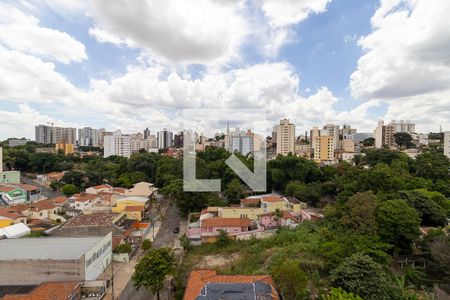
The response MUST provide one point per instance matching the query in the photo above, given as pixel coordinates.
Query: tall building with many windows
(333, 131)
(117, 144)
(53, 135)
(88, 137)
(324, 148)
(447, 144)
(403, 126)
(285, 134)
(242, 142)
(165, 139)
(384, 135)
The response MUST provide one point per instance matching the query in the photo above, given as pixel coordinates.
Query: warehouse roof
(46, 248)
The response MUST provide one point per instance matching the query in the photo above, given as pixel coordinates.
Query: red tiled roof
(199, 278)
(49, 290)
(59, 199)
(135, 208)
(226, 222)
(42, 205)
(102, 186)
(273, 198)
(26, 187)
(11, 214)
(6, 189)
(55, 175)
(97, 219)
(250, 201)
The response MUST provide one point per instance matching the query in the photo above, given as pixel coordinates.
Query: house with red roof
(207, 284)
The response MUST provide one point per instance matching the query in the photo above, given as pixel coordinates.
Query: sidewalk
(124, 270)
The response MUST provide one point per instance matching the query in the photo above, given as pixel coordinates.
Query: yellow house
(240, 212)
(4, 221)
(135, 212)
(122, 203)
(271, 203)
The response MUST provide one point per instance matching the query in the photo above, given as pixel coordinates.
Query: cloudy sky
(128, 65)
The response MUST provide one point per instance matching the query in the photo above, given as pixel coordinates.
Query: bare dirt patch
(217, 261)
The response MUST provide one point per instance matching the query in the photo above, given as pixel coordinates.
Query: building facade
(447, 144)
(285, 134)
(88, 137)
(52, 135)
(165, 139)
(324, 148)
(117, 144)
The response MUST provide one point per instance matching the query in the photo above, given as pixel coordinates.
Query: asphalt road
(164, 238)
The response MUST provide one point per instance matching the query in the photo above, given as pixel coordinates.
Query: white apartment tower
(447, 144)
(117, 144)
(88, 137)
(285, 134)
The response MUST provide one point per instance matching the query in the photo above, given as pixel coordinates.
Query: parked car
(176, 230)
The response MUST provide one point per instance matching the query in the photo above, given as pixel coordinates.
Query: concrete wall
(98, 258)
(30, 272)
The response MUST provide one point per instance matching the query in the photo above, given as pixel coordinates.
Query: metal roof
(46, 248)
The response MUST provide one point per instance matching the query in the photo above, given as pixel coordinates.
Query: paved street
(164, 238)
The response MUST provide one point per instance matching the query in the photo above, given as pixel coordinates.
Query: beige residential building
(384, 135)
(285, 133)
(348, 146)
(324, 150)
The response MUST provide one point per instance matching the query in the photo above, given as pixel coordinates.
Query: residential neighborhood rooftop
(97, 219)
(226, 222)
(46, 248)
(198, 279)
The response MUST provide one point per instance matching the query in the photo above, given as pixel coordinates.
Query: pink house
(212, 226)
(270, 220)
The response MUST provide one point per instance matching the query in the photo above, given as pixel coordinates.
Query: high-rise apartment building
(242, 142)
(88, 137)
(52, 135)
(178, 140)
(43, 134)
(315, 132)
(403, 126)
(101, 135)
(165, 139)
(447, 144)
(324, 150)
(146, 133)
(117, 144)
(384, 135)
(333, 131)
(285, 133)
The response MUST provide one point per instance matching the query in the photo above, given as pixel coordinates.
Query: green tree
(403, 139)
(432, 166)
(431, 213)
(235, 191)
(146, 245)
(69, 189)
(123, 248)
(360, 213)
(223, 239)
(339, 294)
(290, 279)
(152, 270)
(361, 275)
(184, 241)
(369, 142)
(398, 223)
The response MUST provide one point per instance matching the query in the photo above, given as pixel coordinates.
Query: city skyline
(329, 61)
